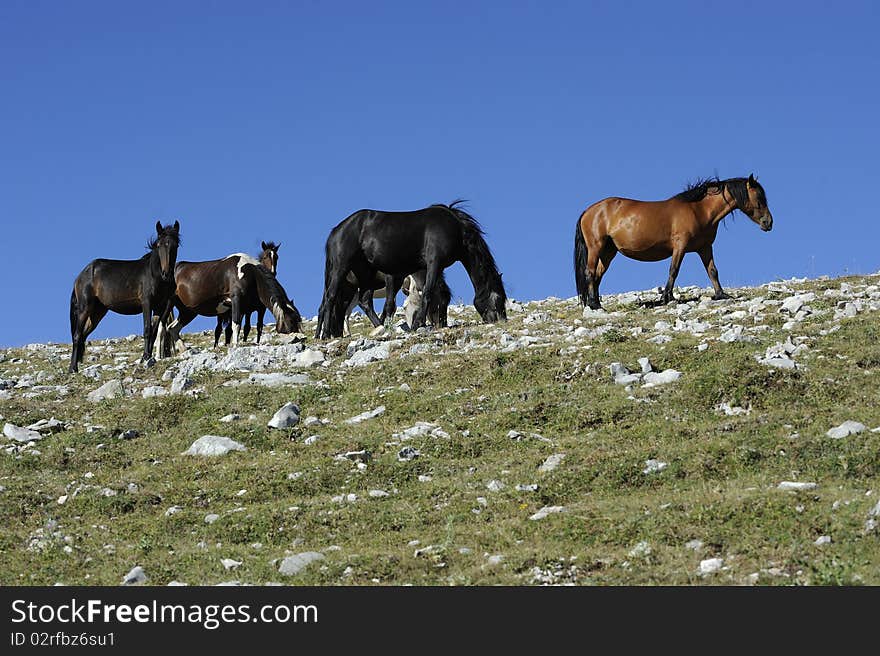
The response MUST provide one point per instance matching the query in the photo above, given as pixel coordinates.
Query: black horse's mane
(166, 230)
(736, 187)
(473, 233)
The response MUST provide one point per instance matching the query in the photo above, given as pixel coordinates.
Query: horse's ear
(176, 226)
(277, 246)
(263, 245)
(159, 227)
(752, 180)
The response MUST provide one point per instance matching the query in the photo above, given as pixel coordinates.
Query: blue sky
(275, 120)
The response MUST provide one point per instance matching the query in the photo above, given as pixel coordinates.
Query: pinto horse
(412, 286)
(234, 285)
(650, 231)
(399, 244)
(269, 259)
(127, 287)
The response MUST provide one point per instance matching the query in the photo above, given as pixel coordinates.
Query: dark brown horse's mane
(270, 246)
(736, 187)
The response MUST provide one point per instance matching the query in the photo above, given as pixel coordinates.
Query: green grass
(719, 486)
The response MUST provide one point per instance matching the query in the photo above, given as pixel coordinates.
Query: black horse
(399, 244)
(235, 285)
(269, 259)
(412, 287)
(127, 287)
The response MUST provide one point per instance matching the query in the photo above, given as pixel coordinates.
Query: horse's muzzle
(766, 223)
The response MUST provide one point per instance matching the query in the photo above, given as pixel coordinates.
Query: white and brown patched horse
(411, 286)
(236, 285)
(269, 259)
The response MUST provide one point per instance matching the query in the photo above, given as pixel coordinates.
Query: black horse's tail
(475, 244)
(73, 312)
(580, 262)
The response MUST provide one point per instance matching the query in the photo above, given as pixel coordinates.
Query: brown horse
(269, 259)
(650, 231)
(236, 284)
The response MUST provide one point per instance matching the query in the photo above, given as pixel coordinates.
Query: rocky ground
(703, 442)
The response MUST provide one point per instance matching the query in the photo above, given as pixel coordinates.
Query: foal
(269, 259)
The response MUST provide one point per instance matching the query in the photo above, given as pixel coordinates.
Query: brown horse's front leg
(709, 262)
(677, 257)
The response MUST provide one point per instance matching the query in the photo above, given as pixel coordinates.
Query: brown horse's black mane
(736, 187)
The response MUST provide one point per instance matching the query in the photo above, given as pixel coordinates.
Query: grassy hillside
(84, 505)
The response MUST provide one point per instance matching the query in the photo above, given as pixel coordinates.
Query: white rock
(276, 379)
(181, 383)
(152, 391)
(285, 417)
(710, 566)
(229, 563)
(662, 378)
(822, 539)
(173, 510)
(19, 434)
(731, 410)
(377, 494)
(645, 364)
(796, 485)
(494, 486)
(369, 414)
(226, 419)
(694, 545)
(848, 427)
(210, 518)
(552, 462)
(135, 576)
(641, 550)
(213, 445)
(293, 565)
(112, 389)
(546, 510)
(654, 466)
(379, 352)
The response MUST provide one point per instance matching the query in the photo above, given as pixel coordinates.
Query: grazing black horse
(269, 259)
(127, 287)
(236, 284)
(399, 244)
(412, 286)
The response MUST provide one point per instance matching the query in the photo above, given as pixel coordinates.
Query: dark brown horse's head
(165, 245)
(287, 317)
(269, 257)
(756, 206)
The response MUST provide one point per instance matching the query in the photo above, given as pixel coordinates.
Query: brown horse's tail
(580, 262)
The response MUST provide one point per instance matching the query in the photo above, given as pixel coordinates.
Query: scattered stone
(293, 565)
(135, 576)
(494, 486)
(552, 462)
(364, 416)
(710, 566)
(286, 416)
(276, 379)
(181, 383)
(796, 485)
(112, 389)
(654, 466)
(363, 456)
(213, 445)
(847, 428)
(531, 487)
(311, 439)
(641, 550)
(20, 434)
(366, 356)
(173, 510)
(153, 391)
(129, 434)
(694, 545)
(546, 510)
(822, 539)
(226, 419)
(420, 429)
(731, 410)
(408, 453)
(662, 378)
(229, 563)
(48, 426)
(377, 494)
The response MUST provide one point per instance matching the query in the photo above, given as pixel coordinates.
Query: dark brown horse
(127, 287)
(269, 259)
(654, 230)
(236, 284)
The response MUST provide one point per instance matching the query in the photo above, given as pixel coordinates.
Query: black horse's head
(269, 257)
(165, 245)
(491, 301)
(755, 205)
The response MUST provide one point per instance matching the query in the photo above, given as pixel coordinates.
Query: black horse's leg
(677, 257)
(87, 319)
(149, 332)
(709, 262)
(428, 293)
(261, 314)
(365, 278)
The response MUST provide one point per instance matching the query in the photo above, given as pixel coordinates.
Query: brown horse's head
(165, 245)
(269, 256)
(756, 205)
(287, 317)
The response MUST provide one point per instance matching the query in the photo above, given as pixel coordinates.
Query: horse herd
(373, 250)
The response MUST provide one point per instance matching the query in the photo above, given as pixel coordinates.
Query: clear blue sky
(252, 121)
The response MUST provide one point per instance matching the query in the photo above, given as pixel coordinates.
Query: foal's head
(287, 317)
(754, 205)
(165, 245)
(269, 256)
